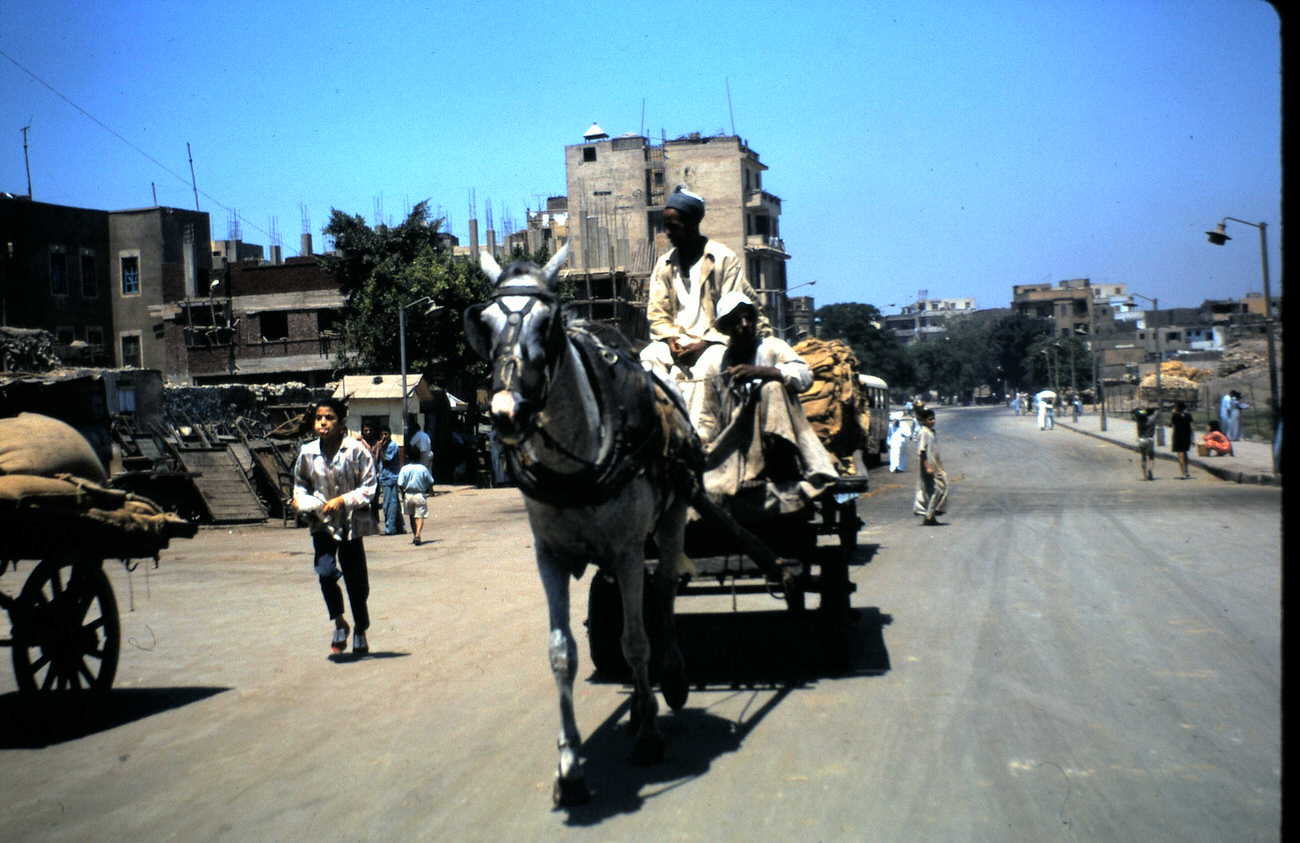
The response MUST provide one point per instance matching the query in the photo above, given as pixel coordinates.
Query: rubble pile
(1242, 357)
(230, 406)
(27, 350)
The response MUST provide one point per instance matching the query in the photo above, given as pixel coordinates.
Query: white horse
(605, 457)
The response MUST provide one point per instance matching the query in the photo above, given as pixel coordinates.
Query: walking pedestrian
(389, 462)
(333, 484)
(1145, 419)
(1225, 410)
(931, 479)
(899, 434)
(1076, 405)
(416, 483)
(1235, 405)
(1181, 422)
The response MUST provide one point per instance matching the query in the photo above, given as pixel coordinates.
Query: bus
(876, 436)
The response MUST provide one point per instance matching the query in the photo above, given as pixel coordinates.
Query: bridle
(507, 363)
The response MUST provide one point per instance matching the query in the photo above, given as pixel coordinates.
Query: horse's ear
(553, 265)
(489, 265)
(478, 335)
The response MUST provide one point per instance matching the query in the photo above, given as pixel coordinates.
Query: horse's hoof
(648, 749)
(675, 689)
(570, 792)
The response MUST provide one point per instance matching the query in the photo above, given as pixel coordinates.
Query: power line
(120, 137)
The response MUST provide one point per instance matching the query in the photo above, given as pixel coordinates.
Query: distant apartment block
(617, 188)
(926, 318)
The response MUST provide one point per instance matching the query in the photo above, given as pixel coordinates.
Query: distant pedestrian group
(1230, 407)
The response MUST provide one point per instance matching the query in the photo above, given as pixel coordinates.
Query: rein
(624, 458)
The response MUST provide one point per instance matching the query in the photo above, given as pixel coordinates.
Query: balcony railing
(764, 241)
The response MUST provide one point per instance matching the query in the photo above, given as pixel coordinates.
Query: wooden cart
(65, 631)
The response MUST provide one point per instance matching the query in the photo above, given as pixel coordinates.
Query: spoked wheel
(66, 631)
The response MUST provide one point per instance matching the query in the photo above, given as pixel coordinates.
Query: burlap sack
(34, 444)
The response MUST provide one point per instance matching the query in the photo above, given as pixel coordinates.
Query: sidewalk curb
(1220, 472)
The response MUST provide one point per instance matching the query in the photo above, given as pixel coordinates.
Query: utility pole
(193, 182)
(26, 161)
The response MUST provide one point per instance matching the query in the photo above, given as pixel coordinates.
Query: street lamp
(1220, 237)
(401, 339)
(781, 299)
(1160, 395)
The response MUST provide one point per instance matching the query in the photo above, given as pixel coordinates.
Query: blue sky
(952, 147)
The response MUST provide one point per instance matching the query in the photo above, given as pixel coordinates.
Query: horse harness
(633, 427)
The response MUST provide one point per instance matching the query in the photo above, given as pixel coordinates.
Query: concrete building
(102, 277)
(54, 274)
(259, 323)
(926, 318)
(616, 193)
(234, 251)
(1075, 306)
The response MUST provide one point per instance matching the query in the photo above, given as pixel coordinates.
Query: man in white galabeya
(685, 286)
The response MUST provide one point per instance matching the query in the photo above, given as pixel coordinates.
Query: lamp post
(781, 299)
(1219, 237)
(401, 339)
(1160, 395)
(1099, 392)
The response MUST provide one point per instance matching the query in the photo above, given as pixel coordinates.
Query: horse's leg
(630, 572)
(570, 788)
(669, 538)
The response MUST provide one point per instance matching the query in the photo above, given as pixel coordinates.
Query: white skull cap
(728, 304)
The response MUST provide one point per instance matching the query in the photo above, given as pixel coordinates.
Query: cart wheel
(66, 631)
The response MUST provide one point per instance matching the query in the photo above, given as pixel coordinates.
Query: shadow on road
(40, 720)
(776, 648)
(695, 738)
(736, 652)
(349, 658)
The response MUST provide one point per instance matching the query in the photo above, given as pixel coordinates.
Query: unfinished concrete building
(616, 193)
(260, 323)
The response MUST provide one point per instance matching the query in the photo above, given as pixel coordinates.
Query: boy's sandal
(339, 642)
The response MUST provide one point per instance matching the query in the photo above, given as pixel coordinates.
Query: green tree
(380, 269)
(1011, 343)
(879, 352)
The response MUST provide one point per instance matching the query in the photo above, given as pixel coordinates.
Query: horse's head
(520, 331)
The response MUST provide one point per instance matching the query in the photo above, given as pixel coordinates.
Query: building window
(131, 350)
(131, 275)
(589, 153)
(275, 325)
(327, 321)
(58, 271)
(89, 289)
(95, 337)
(64, 334)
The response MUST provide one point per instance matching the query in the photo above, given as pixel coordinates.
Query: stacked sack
(54, 499)
(834, 403)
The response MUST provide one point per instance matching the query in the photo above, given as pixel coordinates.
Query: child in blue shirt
(415, 483)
